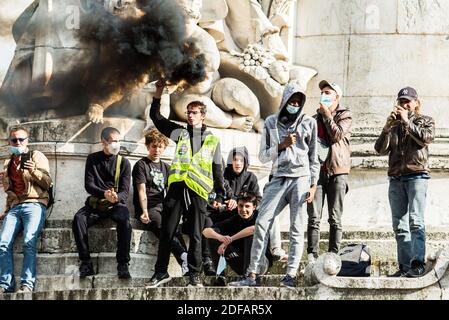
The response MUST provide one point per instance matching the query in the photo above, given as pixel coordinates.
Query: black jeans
(86, 217)
(178, 246)
(241, 247)
(174, 208)
(335, 188)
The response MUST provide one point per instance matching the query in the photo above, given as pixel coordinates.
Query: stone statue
(230, 103)
(247, 64)
(251, 47)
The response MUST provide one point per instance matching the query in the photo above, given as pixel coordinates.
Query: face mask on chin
(114, 148)
(17, 150)
(292, 109)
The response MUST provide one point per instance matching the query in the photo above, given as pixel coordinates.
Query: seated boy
(150, 176)
(233, 237)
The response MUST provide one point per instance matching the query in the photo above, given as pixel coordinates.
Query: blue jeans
(408, 202)
(30, 217)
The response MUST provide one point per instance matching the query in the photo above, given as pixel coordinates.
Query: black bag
(51, 197)
(355, 260)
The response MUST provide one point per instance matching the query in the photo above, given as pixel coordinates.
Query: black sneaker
(208, 268)
(194, 280)
(123, 271)
(417, 270)
(220, 281)
(288, 281)
(157, 279)
(86, 269)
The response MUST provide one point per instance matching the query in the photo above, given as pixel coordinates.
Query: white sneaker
(311, 258)
(185, 264)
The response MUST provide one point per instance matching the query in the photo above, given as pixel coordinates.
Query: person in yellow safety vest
(196, 170)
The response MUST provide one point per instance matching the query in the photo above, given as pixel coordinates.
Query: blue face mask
(221, 265)
(17, 150)
(292, 109)
(326, 101)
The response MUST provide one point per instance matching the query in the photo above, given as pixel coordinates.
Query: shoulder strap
(117, 172)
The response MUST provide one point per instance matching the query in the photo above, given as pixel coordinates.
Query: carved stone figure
(247, 64)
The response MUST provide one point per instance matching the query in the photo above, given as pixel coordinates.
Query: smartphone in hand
(24, 158)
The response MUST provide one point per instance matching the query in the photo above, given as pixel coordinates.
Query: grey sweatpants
(279, 192)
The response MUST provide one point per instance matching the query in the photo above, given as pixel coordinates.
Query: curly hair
(154, 136)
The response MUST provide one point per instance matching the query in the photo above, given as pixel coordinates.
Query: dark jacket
(173, 130)
(407, 146)
(338, 129)
(245, 181)
(99, 175)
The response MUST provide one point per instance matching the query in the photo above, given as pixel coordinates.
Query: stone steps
(229, 294)
(58, 238)
(104, 263)
(381, 249)
(73, 282)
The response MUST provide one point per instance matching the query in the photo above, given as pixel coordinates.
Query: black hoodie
(245, 181)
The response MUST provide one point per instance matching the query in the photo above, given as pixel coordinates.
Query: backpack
(355, 260)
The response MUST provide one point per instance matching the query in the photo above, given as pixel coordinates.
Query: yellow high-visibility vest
(196, 170)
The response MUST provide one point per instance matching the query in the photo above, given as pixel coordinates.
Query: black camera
(24, 158)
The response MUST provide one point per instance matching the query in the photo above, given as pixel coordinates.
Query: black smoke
(145, 40)
(133, 46)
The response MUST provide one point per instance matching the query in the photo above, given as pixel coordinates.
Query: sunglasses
(14, 140)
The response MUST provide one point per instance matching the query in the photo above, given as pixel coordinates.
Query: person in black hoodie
(237, 179)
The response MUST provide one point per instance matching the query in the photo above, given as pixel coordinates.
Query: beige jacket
(339, 131)
(37, 182)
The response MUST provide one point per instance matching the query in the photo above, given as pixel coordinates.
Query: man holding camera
(26, 180)
(405, 138)
(107, 178)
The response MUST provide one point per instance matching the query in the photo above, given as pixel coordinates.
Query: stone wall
(373, 48)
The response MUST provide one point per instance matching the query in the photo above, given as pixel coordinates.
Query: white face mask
(114, 148)
(326, 100)
(292, 109)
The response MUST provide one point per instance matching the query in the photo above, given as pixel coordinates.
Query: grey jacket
(300, 159)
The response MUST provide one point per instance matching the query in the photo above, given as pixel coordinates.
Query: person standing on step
(26, 181)
(150, 179)
(289, 141)
(107, 179)
(196, 170)
(334, 130)
(405, 138)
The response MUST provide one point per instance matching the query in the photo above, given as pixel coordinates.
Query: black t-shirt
(155, 177)
(234, 224)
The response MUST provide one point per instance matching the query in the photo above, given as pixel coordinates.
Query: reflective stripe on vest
(196, 170)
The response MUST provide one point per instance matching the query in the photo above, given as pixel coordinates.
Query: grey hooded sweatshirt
(300, 159)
